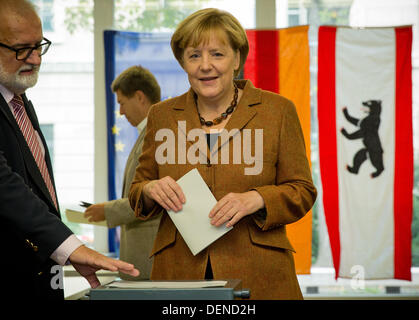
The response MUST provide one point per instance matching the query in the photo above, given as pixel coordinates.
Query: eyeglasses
(24, 53)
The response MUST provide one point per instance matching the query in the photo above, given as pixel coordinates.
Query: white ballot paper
(192, 221)
(166, 284)
(78, 217)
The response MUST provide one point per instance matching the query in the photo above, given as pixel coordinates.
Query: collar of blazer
(243, 113)
(5, 109)
(32, 167)
(185, 109)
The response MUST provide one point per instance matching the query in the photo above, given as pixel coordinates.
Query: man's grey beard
(16, 82)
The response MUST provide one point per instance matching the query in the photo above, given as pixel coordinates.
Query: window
(45, 10)
(293, 17)
(164, 16)
(63, 99)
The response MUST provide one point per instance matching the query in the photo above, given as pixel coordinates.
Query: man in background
(33, 237)
(136, 90)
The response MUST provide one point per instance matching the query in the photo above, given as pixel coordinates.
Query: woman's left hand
(234, 206)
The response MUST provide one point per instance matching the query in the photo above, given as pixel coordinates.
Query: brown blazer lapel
(244, 112)
(185, 111)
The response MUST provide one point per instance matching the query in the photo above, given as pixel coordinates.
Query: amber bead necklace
(224, 115)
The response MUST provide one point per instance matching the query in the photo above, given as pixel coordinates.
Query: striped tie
(31, 138)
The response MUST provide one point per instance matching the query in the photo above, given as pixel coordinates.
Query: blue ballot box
(173, 290)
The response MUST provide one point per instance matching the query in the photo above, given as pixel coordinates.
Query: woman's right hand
(166, 192)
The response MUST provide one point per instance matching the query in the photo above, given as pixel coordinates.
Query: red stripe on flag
(403, 178)
(326, 106)
(263, 59)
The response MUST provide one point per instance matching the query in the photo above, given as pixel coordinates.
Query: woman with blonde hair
(211, 46)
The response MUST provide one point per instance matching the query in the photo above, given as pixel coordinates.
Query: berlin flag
(366, 148)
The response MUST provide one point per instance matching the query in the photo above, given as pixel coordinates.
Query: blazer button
(34, 248)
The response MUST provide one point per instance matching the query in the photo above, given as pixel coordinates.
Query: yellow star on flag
(119, 146)
(115, 129)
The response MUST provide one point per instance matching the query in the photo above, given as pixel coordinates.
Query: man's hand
(95, 213)
(87, 261)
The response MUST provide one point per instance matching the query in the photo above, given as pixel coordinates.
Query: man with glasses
(33, 238)
(23, 53)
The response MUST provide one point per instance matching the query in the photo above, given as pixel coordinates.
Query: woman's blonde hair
(199, 26)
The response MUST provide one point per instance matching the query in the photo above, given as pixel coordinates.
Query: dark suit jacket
(31, 228)
(256, 250)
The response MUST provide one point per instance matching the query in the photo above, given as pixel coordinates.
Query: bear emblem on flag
(368, 132)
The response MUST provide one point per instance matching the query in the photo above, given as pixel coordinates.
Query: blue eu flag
(123, 50)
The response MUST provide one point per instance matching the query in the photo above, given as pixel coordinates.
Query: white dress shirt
(141, 125)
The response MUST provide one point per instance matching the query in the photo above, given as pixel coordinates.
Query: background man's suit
(26, 266)
(137, 236)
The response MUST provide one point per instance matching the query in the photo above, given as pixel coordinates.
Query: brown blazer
(257, 250)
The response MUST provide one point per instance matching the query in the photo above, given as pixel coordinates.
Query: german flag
(278, 61)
